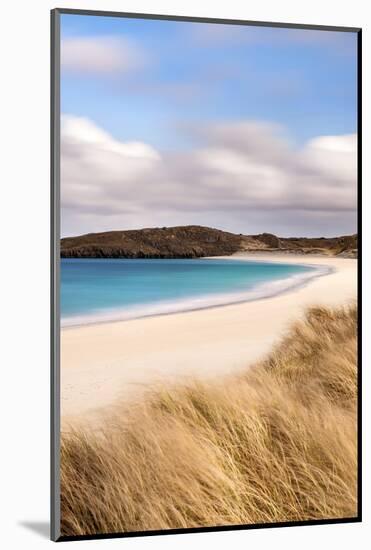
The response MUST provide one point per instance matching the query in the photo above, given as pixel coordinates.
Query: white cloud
(334, 156)
(100, 55)
(240, 173)
(342, 144)
(82, 132)
(95, 168)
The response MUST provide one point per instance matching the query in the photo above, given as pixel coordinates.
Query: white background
(24, 301)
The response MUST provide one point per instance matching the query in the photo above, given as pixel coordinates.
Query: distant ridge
(195, 241)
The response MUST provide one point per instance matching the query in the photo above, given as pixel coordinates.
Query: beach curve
(123, 359)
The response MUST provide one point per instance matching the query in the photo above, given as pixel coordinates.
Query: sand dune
(276, 443)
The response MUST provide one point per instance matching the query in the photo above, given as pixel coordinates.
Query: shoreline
(104, 362)
(261, 292)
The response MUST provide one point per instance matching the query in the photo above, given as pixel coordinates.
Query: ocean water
(98, 290)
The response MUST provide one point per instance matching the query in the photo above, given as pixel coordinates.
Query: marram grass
(276, 444)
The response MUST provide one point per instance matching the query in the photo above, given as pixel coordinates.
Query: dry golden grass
(276, 444)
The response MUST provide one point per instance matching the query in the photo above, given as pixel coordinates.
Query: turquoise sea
(97, 290)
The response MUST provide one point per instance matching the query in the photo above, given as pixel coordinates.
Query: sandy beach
(122, 360)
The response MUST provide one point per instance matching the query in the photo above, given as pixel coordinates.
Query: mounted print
(205, 187)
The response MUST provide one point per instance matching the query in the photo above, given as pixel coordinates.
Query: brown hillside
(195, 241)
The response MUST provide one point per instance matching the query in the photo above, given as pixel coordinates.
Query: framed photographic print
(205, 274)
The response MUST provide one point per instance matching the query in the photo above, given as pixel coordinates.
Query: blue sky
(208, 98)
(308, 85)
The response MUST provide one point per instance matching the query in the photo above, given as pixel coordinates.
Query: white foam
(259, 292)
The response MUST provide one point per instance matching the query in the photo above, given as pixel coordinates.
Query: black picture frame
(55, 271)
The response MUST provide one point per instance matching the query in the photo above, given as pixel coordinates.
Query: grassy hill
(194, 241)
